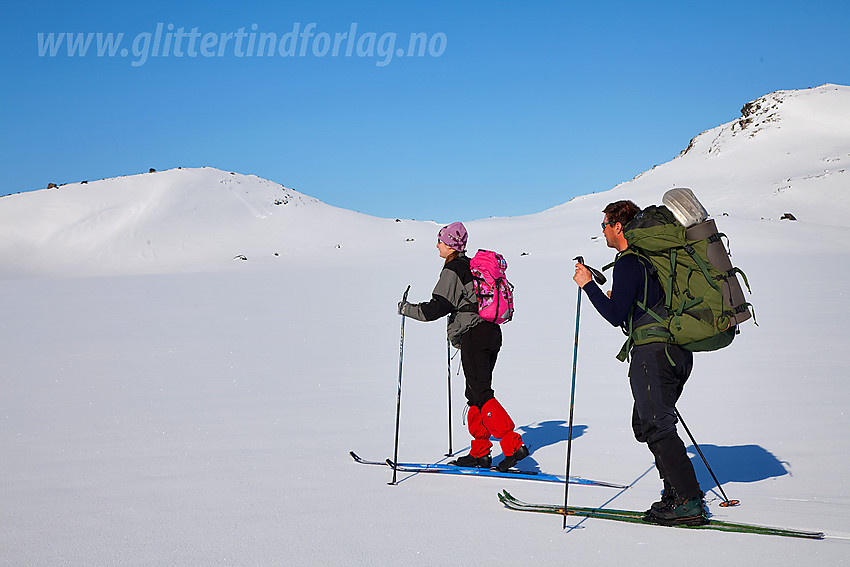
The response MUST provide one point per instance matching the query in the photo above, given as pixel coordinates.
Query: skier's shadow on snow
(741, 463)
(539, 435)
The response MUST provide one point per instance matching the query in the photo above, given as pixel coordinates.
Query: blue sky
(512, 108)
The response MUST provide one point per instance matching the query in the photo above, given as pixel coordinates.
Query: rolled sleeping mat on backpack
(718, 257)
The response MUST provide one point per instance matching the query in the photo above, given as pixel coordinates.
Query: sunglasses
(609, 223)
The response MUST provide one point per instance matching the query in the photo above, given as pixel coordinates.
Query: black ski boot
(668, 498)
(510, 460)
(689, 512)
(470, 461)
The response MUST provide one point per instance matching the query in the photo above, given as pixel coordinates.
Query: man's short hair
(621, 211)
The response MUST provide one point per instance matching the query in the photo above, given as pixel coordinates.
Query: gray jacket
(454, 295)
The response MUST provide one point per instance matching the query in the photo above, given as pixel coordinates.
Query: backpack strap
(650, 328)
(702, 266)
(731, 273)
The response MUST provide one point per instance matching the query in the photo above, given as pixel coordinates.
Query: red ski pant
(491, 420)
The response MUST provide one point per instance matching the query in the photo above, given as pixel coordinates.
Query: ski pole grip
(597, 275)
(403, 301)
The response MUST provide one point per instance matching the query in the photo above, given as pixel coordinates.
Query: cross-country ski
(636, 517)
(437, 468)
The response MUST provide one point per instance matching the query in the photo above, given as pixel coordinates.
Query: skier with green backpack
(672, 294)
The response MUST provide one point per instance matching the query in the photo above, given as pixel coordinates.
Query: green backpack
(703, 300)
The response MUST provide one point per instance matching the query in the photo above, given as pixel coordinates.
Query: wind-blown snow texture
(165, 402)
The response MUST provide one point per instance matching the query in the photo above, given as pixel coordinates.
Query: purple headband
(454, 236)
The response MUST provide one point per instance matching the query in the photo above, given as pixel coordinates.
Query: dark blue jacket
(630, 274)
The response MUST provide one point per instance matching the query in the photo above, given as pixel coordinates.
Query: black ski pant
(479, 349)
(656, 386)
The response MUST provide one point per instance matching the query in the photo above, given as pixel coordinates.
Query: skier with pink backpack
(477, 297)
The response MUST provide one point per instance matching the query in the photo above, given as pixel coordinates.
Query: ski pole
(398, 402)
(600, 279)
(726, 502)
(572, 405)
(449, 359)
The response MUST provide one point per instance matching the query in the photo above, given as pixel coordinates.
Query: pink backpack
(494, 291)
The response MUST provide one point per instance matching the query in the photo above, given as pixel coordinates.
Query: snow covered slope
(181, 220)
(193, 409)
(788, 153)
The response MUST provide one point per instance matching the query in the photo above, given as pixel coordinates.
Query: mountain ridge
(787, 156)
